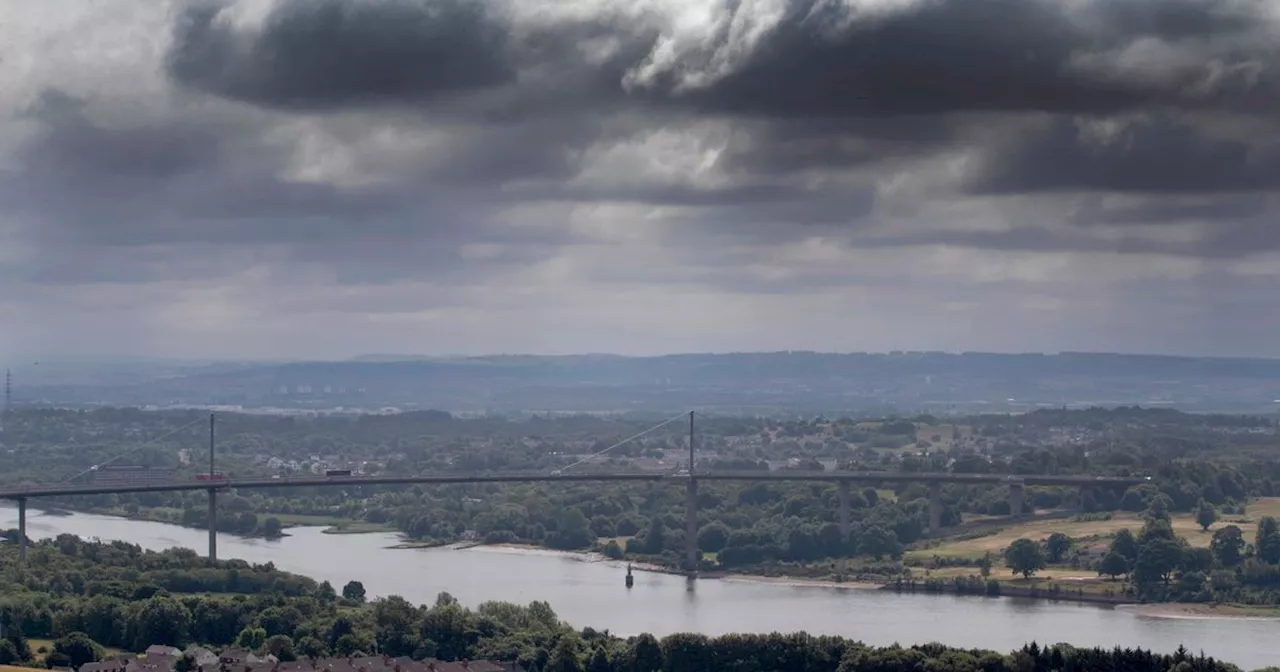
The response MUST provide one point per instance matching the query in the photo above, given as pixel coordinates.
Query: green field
(1093, 532)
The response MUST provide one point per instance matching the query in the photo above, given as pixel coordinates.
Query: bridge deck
(65, 490)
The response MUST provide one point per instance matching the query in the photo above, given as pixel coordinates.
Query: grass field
(1065, 578)
(1096, 531)
(946, 437)
(47, 644)
(357, 527)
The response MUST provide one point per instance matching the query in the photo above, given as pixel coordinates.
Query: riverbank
(331, 524)
(1184, 611)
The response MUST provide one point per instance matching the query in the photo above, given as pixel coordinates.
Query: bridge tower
(935, 508)
(213, 498)
(1016, 499)
(22, 532)
(693, 556)
(845, 527)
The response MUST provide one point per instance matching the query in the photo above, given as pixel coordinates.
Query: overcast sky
(326, 178)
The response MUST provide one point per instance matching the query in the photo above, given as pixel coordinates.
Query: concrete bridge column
(1080, 495)
(844, 510)
(22, 531)
(692, 554)
(935, 508)
(1016, 496)
(213, 525)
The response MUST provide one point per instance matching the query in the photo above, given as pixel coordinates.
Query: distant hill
(737, 382)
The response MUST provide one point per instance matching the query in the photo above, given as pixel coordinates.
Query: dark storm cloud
(1154, 155)
(943, 56)
(771, 147)
(330, 53)
(822, 59)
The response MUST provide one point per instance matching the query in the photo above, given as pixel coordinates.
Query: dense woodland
(88, 596)
(1219, 462)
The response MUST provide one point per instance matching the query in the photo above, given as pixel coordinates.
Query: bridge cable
(627, 440)
(135, 449)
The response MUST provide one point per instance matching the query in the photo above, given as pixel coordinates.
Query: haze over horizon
(288, 179)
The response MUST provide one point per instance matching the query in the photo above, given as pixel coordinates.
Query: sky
(328, 178)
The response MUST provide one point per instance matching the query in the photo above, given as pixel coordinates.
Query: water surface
(592, 594)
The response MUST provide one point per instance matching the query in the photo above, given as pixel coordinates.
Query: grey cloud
(778, 146)
(1165, 209)
(822, 59)
(935, 57)
(1151, 154)
(329, 53)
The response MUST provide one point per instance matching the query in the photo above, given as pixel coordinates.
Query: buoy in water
(631, 580)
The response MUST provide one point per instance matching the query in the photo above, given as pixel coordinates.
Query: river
(587, 593)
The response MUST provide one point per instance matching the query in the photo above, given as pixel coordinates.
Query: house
(203, 656)
(233, 656)
(111, 665)
(238, 660)
(161, 650)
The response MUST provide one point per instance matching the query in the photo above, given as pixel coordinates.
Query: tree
(1228, 546)
(281, 646)
(1206, 515)
(655, 537)
(395, 622)
(1113, 565)
(354, 590)
(613, 551)
(644, 655)
(1158, 508)
(599, 661)
(247, 523)
(251, 638)
(712, 538)
(326, 593)
(161, 620)
(1057, 546)
(79, 649)
(1156, 561)
(1197, 560)
(1125, 545)
(566, 656)
(271, 528)
(877, 541)
(8, 652)
(1024, 557)
(1267, 542)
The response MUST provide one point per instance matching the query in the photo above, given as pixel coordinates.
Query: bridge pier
(844, 510)
(1080, 495)
(1016, 496)
(935, 508)
(692, 554)
(22, 531)
(213, 526)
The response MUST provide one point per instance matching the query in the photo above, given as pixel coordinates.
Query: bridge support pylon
(845, 528)
(1016, 497)
(22, 531)
(935, 508)
(692, 555)
(213, 525)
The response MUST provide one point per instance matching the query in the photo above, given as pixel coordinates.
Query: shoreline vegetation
(1180, 610)
(1047, 589)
